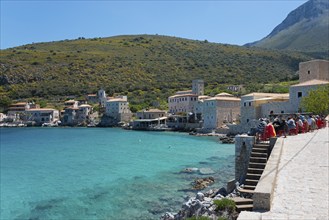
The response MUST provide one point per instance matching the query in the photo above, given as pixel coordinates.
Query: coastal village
(190, 110)
(265, 164)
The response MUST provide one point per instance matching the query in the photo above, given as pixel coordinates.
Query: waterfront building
(150, 119)
(219, 110)
(84, 112)
(42, 115)
(2, 117)
(151, 114)
(70, 116)
(186, 101)
(17, 108)
(118, 109)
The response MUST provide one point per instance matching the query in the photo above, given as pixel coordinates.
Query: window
(244, 104)
(309, 72)
(282, 112)
(249, 103)
(299, 94)
(247, 120)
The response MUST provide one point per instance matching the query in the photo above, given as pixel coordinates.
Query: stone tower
(198, 87)
(314, 69)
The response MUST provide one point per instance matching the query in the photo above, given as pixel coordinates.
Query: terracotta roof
(117, 100)
(41, 109)
(17, 108)
(223, 98)
(183, 95)
(70, 101)
(20, 103)
(268, 94)
(224, 94)
(312, 82)
(154, 110)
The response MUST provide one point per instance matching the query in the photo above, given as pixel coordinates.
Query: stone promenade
(302, 185)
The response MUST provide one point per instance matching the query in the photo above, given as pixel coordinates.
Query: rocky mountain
(305, 29)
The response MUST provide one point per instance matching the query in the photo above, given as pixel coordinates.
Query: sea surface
(103, 173)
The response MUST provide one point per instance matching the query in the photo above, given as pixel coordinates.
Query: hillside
(305, 29)
(144, 67)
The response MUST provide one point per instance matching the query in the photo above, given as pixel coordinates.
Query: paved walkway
(302, 185)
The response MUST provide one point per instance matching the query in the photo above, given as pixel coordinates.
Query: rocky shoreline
(203, 204)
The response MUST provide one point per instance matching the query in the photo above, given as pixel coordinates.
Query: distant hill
(147, 68)
(305, 29)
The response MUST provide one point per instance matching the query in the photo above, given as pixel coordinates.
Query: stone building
(219, 110)
(118, 109)
(314, 69)
(186, 101)
(259, 105)
(42, 115)
(151, 114)
(312, 74)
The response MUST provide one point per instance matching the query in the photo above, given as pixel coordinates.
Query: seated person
(260, 128)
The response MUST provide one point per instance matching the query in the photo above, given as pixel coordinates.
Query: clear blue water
(103, 173)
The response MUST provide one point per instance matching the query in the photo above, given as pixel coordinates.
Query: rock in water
(206, 171)
(203, 183)
(190, 170)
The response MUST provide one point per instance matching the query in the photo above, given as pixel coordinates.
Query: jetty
(294, 184)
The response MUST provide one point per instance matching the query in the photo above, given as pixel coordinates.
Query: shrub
(225, 205)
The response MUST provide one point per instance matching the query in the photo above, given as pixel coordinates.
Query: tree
(5, 101)
(317, 101)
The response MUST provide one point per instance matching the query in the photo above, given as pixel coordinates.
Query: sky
(230, 22)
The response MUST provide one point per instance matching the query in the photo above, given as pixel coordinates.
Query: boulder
(168, 216)
(203, 183)
(200, 196)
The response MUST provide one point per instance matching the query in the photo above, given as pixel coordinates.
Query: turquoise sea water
(103, 173)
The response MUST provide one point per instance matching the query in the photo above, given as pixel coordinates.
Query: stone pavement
(302, 184)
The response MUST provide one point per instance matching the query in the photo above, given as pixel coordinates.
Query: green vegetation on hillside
(144, 67)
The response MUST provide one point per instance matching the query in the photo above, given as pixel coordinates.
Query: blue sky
(231, 22)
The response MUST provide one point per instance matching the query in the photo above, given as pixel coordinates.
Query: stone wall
(263, 194)
(277, 108)
(243, 148)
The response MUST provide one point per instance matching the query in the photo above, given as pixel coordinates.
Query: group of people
(292, 125)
